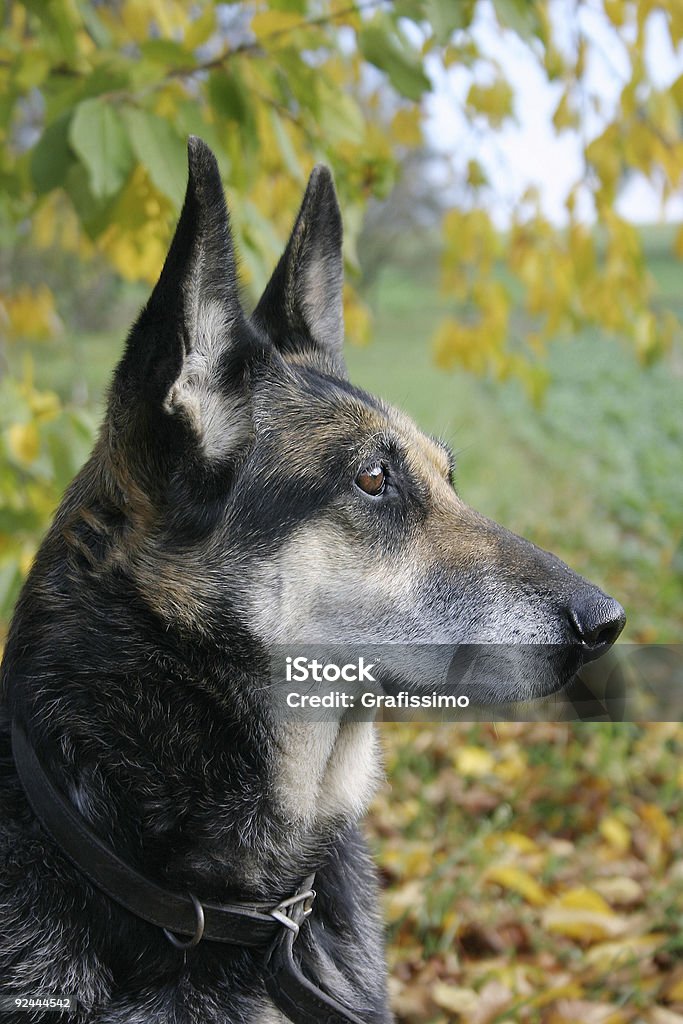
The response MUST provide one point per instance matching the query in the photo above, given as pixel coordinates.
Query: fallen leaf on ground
(454, 999)
(517, 880)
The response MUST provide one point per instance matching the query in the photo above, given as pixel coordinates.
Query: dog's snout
(597, 621)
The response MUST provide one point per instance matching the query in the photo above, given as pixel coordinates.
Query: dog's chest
(325, 770)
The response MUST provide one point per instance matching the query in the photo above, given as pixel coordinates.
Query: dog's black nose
(597, 621)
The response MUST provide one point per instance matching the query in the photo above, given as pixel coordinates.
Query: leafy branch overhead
(98, 100)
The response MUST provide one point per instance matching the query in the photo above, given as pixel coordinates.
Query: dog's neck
(187, 779)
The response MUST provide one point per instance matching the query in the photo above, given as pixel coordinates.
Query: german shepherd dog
(242, 494)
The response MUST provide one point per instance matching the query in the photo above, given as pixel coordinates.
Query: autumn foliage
(533, 875)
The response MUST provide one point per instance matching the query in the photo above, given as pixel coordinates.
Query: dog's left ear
(187, 353)
(301, 308)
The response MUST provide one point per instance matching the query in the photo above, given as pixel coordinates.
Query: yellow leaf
(615, 11)
(417, 859)
(136, 16)
(657, 820)
(520, 842)
(473, 761)
(615, 832)
(584, 925)
(269, 26)
(620, 889)
(476, 176)
(565, 115)
(32, 70)
(583, 914)
(23, 442)
(454, 999)
(26, 559)
(31, 313)
(170, 16)
(495, 100)
(456, 343)
(406, 127)
(401, 901)
(201, 28)
(135, 258)
(357, 317)
(569, 1011)
(583, 898)
(137, 238)
(608, 956)
(510, 877)
(565, 990)
(44, 404)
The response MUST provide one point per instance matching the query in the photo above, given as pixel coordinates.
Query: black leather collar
(239, 924)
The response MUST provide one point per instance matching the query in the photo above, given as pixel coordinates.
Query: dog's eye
(371, 479)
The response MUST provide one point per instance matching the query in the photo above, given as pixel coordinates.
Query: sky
(528, 151)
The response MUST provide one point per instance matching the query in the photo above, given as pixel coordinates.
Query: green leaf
(285, 146)
(228, 97)
(445, 17)
(158, 146)
(296, 6)
(293, 78)
(61, 21)
(167, 53)
(98, 135)
(65, 92)
(93, 211)
(413, 9)
(52, 156)
(384, 48)
(95, 26)
(343, 118)
(520, 16)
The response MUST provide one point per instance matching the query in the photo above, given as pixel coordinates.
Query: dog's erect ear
(186, 351)
(301, 307)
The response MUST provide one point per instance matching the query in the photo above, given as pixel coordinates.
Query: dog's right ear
(301, 309)
(186, 354)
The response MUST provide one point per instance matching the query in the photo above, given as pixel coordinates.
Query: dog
(242, 494)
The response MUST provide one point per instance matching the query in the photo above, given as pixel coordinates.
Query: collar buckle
(293, 911)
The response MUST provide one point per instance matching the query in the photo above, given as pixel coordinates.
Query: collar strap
(299, 999)
(238, 924)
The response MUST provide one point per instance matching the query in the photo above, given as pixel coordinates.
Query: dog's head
(259, 487)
